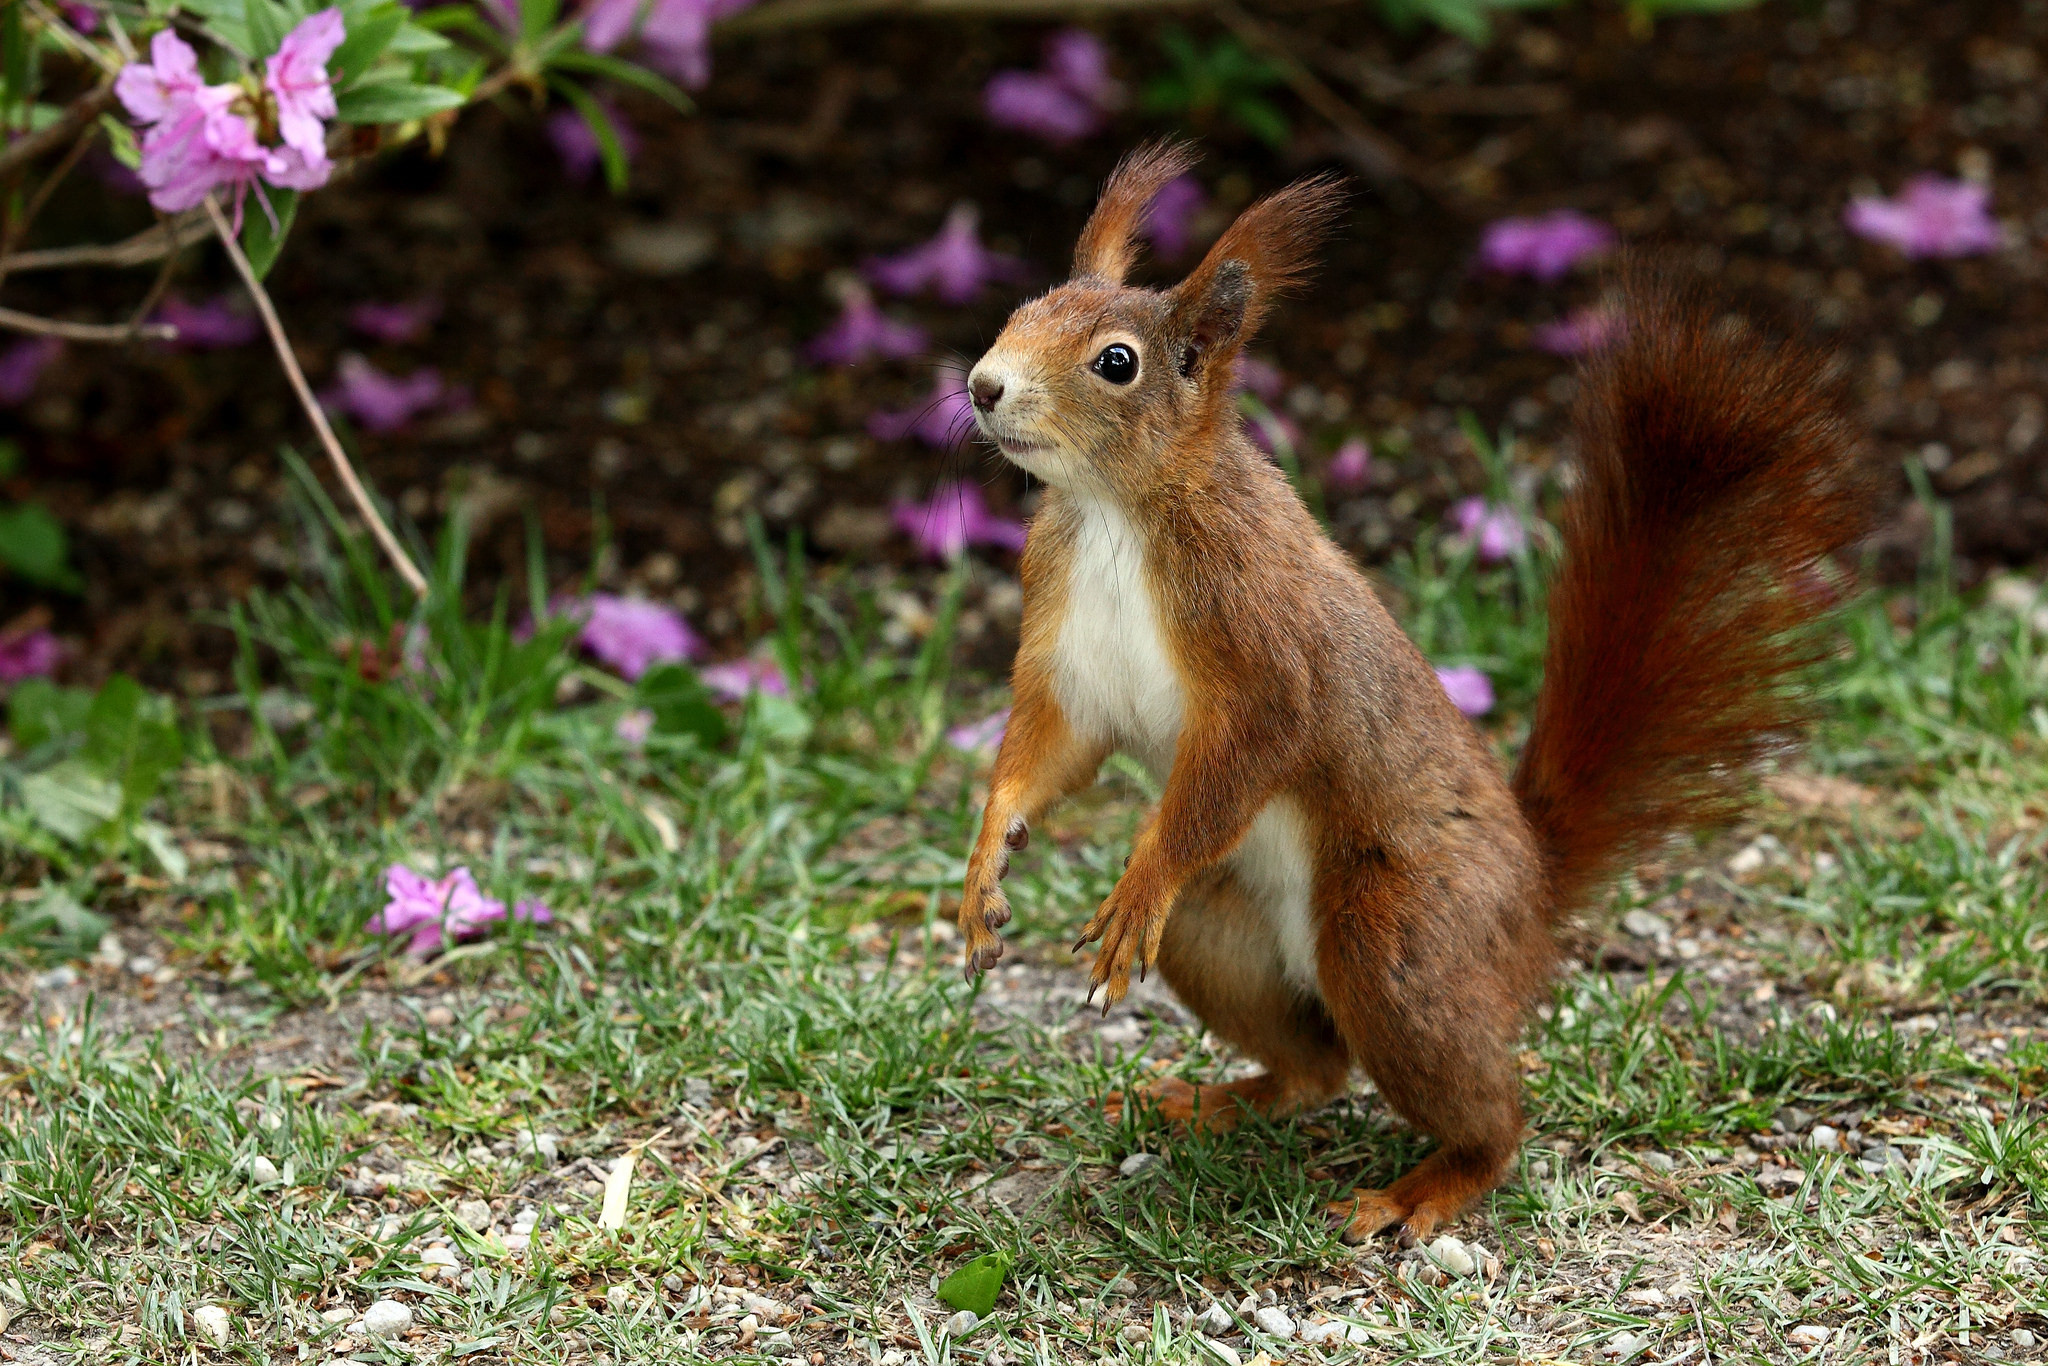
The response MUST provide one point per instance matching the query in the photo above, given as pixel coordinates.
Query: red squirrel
(1338, 873)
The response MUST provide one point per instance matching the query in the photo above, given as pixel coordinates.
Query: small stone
(111, 952)
(1137, 1164)
(211, 1322)
(341, 1313)
(1122, 1285)
(1794, 1119)
(1623, 1345)
(2023, 1339)
(263, 1171)
(1826, 1138)
(771, 1311)
(1808, 1335)
(1223, 1352)
(662, 248)
(1274, 1320)
(1775, 1180)
(1335, 1330)
(1137, 1332)
(57, 978)
(438, 1017)
(386, 1319)
(547, 1147)
(619, 1299)
(474, 1215)
(1213, 1320)
(1450, 1254)
(962, 1323)
(142, 965)
(1645, 924)
(1248, 1306)
(1658, 1162)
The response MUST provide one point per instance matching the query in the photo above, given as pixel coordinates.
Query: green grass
(751, 984)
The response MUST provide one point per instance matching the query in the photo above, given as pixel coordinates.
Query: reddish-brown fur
(1718, 471)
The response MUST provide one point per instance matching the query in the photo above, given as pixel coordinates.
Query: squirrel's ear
(1268, 250)
(1109, 243)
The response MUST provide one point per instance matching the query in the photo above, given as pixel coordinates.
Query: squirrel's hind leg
(1220, 958)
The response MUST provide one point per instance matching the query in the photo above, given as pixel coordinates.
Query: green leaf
(71, 800)
(261, 240)
(681, 704)
(121, 141)
(779, 719)
(62, 913)
(34, 547)
(368, 35)
(975, 1286)
(610, 149)
(157, 839)
(14, 57)
(39, 713)
(131, 740)
(626, 73)
(268, 23)
(394, 101)
(536, 17)
(1259, 118)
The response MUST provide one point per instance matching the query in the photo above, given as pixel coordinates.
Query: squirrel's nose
(987, 391)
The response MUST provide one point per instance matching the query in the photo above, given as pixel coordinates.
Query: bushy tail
(1718, 471)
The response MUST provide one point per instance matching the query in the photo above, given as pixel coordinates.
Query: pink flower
(381, 402)
(1495, 528)
(1350, 465)
(400, 322)
(577, 145)
(1169, 222)
(1261, 377)
(634, 727)
(940, 420)
(214, 325)
(1063, 101)
(154, 90)
(22, 365)
(84, 18)
(954, 518)
(734, 680)
(1545, 247)
(863, 331)
(435, 913)
(676, 33)
(1578, 332)
(28, 654)
(1930, 217)
(296, 77)
(1470, 690)
(954, 265)
(980, 736)
(632, 635)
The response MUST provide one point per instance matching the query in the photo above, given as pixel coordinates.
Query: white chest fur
(1115, 681)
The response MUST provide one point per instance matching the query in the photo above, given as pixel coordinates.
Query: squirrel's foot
(1130, 928)
(983, 907)
(1211, 1109)
(1435, 1192)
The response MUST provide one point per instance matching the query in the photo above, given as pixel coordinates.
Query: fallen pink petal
(1547, 246)
(1350, 465)
(983, 736)
(1495, 529)
(954, 265)
(1930, 218)
(954, 518)
(942, 420)
(864, 332)
(438, 912)
(632, 635)
(381, 402)
(395, 323)
(1035, 103)
(214, 325)
(1471, 691)
(1578, 333)
(29, 654)
(22, 366)
(736, 680)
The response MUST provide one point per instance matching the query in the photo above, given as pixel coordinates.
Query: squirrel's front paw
(1129, 926)
(983, 910)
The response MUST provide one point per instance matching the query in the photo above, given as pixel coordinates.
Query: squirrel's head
(1105, 387)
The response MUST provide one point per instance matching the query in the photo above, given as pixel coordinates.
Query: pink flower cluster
(28, 654)
(865, 331)
(203, 138)
(632, 635)
(952, 519)
(1495, 528)
(1931, 217)
(954, 265)
(1547, 246)
(438, 912)
(1066, 99)
(1471, 691)
(676, 34)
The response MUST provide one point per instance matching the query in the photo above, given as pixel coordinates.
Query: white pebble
(386, 1319)
(1214, 1319)
(474, 1215)
(547, 1147)
(1335, 1330)
(263, 1171)
(2023, 1339)
(440, 1254)
(1658, 1162)
(1122, 1285)
(619, 1299)
(1274, 1320)
(1623, 1345)
(1450, 1254)
(1139, 1163)
(1645, 924)
(1137, 1332)
(211, 1322)
(1224, 1352)
(962, 1323)
(1825, 1137)
(1808, 1334)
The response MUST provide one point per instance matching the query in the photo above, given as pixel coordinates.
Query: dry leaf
(617, 1187)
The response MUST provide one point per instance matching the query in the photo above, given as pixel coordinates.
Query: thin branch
(402, 562)
(151, 244)
(783, 14)
(79, 113)
(84, 332)
(23, 221)
(156, 289)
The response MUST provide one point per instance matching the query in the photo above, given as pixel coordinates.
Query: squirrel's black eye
(1118, 363)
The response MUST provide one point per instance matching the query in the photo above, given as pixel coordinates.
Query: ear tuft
(1267, 251)
(1109, 243)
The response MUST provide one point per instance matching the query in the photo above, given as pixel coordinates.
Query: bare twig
(83, 332)
(18, 229)
(151, 244)
(783, 14)
(400, 561)
(156, 289)
(69, 124)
